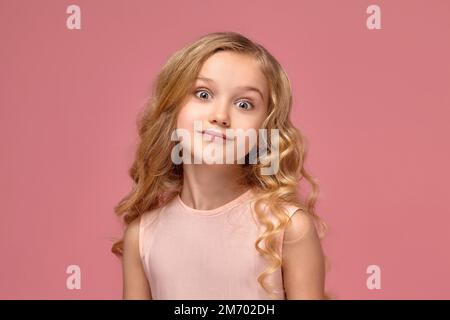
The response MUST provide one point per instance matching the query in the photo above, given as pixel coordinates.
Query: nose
(220, 117)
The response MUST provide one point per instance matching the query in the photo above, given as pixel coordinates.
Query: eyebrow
(248, 88)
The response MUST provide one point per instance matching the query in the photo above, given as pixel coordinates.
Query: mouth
(216, 134)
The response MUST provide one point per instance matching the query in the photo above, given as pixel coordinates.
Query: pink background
(374, 105)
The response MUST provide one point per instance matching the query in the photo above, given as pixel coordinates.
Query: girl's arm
(303, 259)
(135, 284)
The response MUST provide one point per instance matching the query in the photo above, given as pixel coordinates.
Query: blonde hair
(158, 180)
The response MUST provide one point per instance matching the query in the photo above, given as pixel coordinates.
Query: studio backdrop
(371, 92)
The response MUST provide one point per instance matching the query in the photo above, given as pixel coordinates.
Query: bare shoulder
(303, 259)
(301, 225)
(132, 230)
(131, 235)
(135, 284)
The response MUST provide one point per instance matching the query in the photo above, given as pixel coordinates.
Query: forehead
(231, 70)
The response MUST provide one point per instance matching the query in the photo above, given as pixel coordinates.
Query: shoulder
(134, 230)
(141, 230)
(131, 239)
(301, 225)
(150, 216)
(290, 209)
(131, 233)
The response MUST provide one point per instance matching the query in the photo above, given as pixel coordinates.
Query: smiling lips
(213, 134)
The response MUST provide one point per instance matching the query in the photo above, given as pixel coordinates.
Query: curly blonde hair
(157, 180)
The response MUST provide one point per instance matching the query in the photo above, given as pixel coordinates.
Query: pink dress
(205, 254)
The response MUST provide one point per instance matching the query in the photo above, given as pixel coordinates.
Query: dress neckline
(236, 201)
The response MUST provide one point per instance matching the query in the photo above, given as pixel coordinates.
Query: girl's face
(231, 93)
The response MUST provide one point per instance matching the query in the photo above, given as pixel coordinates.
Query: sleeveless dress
(197, 254)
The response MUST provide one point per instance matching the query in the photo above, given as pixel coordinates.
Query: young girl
(198, 230)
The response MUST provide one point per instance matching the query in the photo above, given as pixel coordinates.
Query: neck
(209, 186)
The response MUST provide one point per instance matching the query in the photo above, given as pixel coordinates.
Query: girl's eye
(246, 103)
(205, 93)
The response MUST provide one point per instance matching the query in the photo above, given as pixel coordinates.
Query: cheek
(187, 115)
(249, 120)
